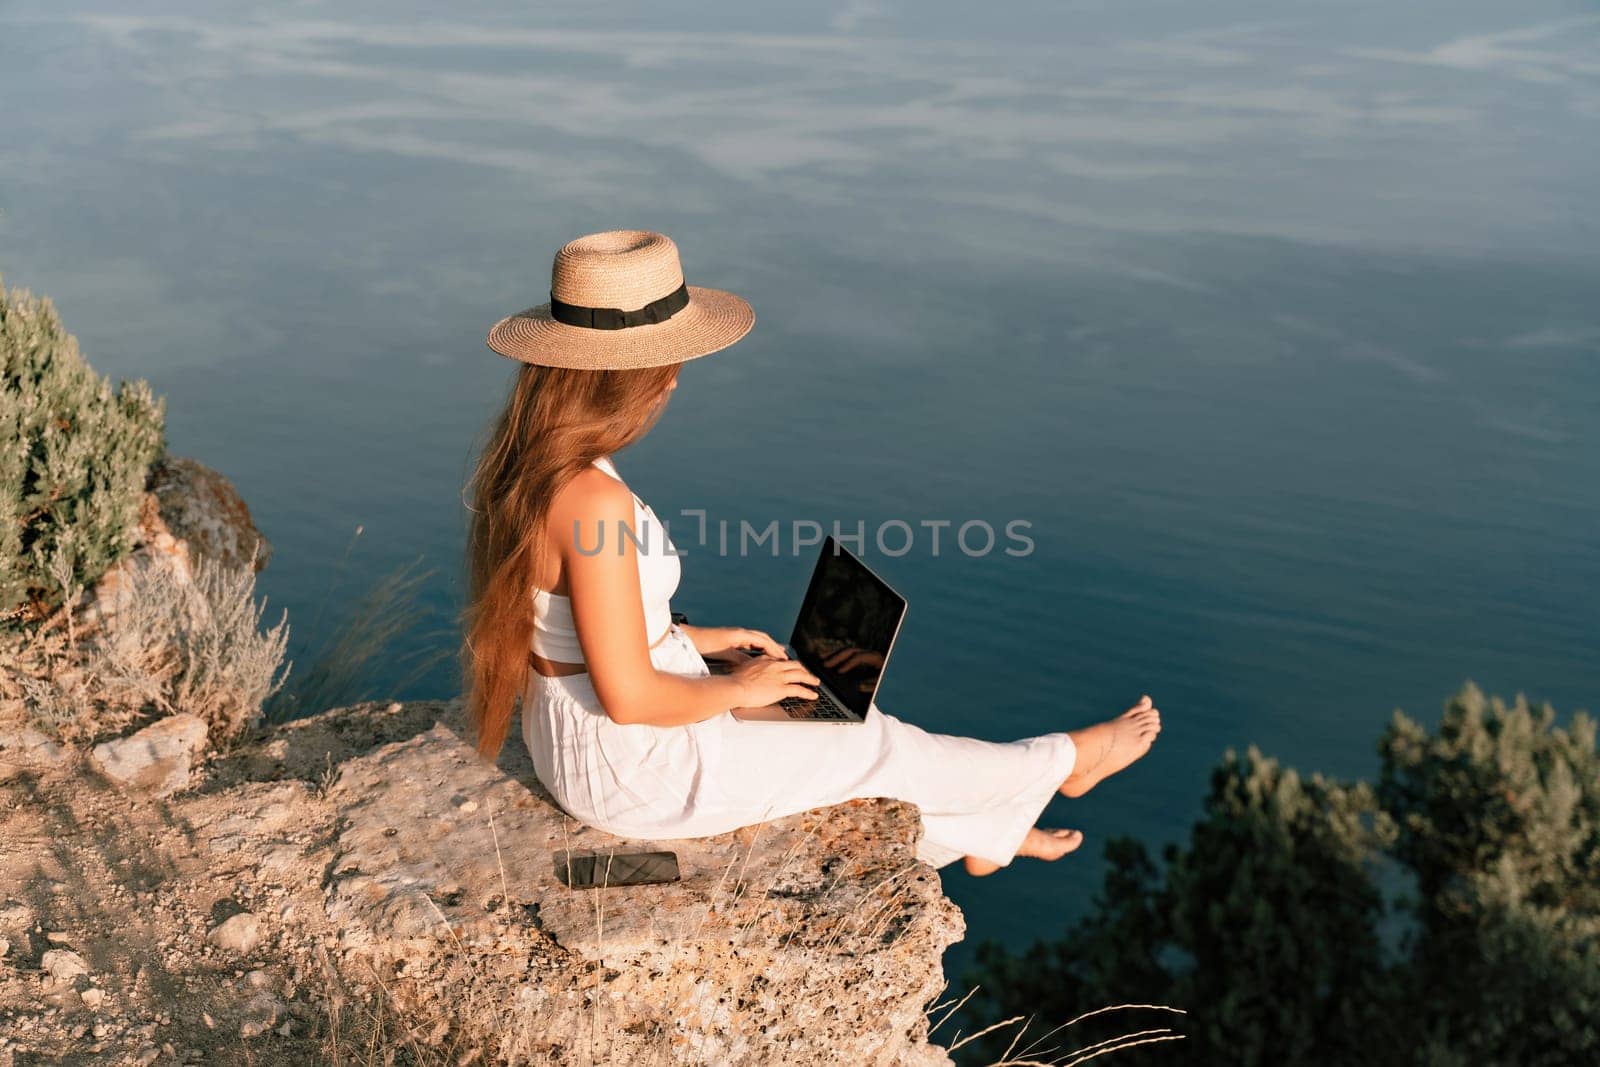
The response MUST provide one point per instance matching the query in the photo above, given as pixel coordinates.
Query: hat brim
(712, 320)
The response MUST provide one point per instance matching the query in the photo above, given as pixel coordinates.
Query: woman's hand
(725, 642)
(762, 680)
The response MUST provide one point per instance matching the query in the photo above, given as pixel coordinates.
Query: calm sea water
(1280, 325)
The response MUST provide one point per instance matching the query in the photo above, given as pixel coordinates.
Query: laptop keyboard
(823, 707)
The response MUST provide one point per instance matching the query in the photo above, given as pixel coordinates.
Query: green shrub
(73, 461)
(1272, 928)
(1499, 817)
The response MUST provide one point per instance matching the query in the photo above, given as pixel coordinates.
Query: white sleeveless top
(555, 637)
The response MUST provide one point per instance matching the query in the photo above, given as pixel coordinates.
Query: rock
(156, 758)
(279, 861)
(188, 510)
(22, 748)
(375, 850)
(63, 964)
(200, 507)
(240, 934)
(5, 948)
(260, 1014)
(813, 937)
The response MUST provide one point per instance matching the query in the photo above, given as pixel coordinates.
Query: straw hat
(618, 301)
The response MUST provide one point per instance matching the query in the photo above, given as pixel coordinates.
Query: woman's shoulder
(591, 494)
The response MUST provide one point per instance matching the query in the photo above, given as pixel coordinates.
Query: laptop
(843, 634)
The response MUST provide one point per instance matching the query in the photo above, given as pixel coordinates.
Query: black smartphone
(595, 869)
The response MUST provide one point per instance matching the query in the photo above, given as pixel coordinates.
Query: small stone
(257, 979)
(63, 964)
(155, 759)
(287, 1029)
(239, 934)
(5, 947)
(56, 937)
(148, 1055)
(206, 1018)
(260, 1015)
(92, 997)
(99, 1030)
(467, 807)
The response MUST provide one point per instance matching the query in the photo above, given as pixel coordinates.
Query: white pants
(977, 798)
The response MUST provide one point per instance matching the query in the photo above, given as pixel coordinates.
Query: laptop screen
(846, 626)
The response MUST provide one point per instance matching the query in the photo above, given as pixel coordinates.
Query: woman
(627, 727)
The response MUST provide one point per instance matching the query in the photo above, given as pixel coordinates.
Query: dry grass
(1032, 1055)
(172, 644)
(340, 670)
(199, 647)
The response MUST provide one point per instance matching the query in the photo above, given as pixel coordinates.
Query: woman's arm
(609, 615)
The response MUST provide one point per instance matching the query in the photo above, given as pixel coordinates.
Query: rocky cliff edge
(361, 879)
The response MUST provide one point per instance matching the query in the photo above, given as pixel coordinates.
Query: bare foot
(1106, 748)
(1039, 844)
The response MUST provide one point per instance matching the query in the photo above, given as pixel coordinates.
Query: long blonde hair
(555, 423)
